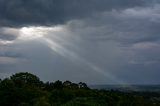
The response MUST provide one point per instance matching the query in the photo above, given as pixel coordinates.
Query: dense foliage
(25, 89)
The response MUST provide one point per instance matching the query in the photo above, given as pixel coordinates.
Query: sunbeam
(59, 49)
(31, 33)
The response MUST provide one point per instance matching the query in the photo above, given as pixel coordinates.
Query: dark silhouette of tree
(25, 78)
(49, 86)
(67, 84)
(83, 85)
(74, 86)
(58, 85)
(42, 101)
(6, 84)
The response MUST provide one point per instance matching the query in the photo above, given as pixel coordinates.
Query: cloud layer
(111, 41)
(52, 12)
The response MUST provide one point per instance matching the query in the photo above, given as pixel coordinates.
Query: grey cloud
(10, 55)
(145, 53)
(126, 26)
(7, 36)
(121, 42)
(41, 12)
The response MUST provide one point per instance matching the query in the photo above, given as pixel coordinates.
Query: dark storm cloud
(134, 31)
(41, 12)
(126, 26)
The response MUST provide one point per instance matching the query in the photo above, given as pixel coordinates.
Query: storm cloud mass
(98, 42)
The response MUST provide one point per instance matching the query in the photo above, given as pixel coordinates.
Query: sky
(97, 42)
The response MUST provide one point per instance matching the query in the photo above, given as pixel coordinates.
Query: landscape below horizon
(26, 89)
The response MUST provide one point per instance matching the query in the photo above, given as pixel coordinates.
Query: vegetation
(25, 89)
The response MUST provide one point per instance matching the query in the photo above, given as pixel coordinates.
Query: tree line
(26, 89)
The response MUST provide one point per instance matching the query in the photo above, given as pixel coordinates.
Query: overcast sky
(94, 41)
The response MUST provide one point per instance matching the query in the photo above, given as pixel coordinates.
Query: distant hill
(126, 88)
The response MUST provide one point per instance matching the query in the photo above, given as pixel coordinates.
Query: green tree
(25, 78)
(58, 85)
(67, 84)
(83, 85)
(42, 101)
(6, 84)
